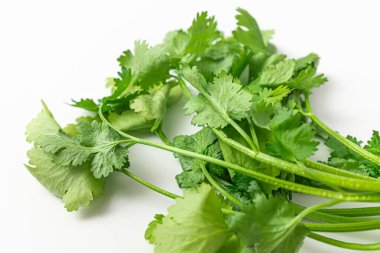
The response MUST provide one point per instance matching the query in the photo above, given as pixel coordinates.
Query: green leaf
(233, 245)
(192, 76)
(311, 59)
(266, 102)
(307, 80)
(129, 121)
(152, 106)
(194, 224)
(277, 73)
(176, 43)
(41, 125)
(270, 96)
(373, 144)
(268, 226)
(203, 142)
(202, 32)
(122, 83)
(86, 104)
(251, 35)
(219, 102)
(221, 56)
(75, 185)
(147, 65)
(95, 143)
(267, 36)
(292, 139)
(152, 226)
(344, 158)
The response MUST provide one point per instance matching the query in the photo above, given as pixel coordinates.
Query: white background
(58, 50)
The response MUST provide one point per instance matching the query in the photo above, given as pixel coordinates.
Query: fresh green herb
(240, 170)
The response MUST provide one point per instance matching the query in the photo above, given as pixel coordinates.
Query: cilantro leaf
(176, 42)
(221, 56)
(129, 121)
(202, 32)
(220, 101)
(152, 106)
(194, 224)
(276, 73)
(268, 226)
(311, 59)
(121, 83)
(373, 144)
(203, 142)
(75, 185)
(87, 104)
(146, 65)
(251, 35)
(95, 143)
(341, 151)
(41, 125)
(344, 158)
(291, 138)
(307, 80)
(152, 226)
(271, 96)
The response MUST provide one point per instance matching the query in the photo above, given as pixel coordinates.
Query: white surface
(57, 50)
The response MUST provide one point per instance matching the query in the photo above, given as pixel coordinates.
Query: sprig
(240, 170)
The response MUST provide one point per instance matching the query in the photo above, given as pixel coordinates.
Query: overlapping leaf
(220, 101)
(194, 224)
(291, 138)
(268, 226)
(203, 142)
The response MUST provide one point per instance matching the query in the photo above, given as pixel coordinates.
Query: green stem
(346, 245)
(314, 208)
(160, 134)
(331, 179)
(265, 178)
(149, 185)
(326, 217)
(354, 212)
(344, 227)
(185, 89)
(243, 134)
(257, 175)
(352, 146)
(253, 133)
(218, 187)
(335, 171)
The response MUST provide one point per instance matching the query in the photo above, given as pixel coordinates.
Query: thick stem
(344, 227)
(335, 171)
(354, 212)
(314, 208)
(149, 185)
(352, 146)
(265, 178)
(346, 245)
(331, 179)
(218, 187)
(326, 217)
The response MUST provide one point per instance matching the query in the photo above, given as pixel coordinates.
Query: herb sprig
(240, 170)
